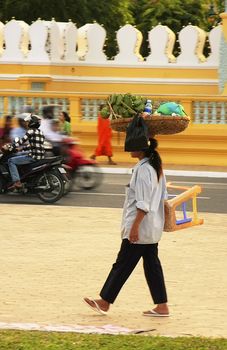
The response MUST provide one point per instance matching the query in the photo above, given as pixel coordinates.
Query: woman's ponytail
(154, 157)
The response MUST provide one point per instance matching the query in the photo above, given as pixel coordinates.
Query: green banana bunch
(105, 112)
(125, 106)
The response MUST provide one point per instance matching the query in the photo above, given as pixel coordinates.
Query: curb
(126, 171)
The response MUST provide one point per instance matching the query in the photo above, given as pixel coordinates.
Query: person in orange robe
(104, 147)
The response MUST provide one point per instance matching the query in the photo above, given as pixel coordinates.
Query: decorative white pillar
(223, 54)
(192, 40)
(1, 37)
(38, 34)
(16, 41)
(129, 40)
(161, 40)
(215, 41)
(91, 40)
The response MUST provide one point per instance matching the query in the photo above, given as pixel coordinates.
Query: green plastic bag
(171, 108)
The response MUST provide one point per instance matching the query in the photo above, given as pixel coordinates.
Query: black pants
(127, 259)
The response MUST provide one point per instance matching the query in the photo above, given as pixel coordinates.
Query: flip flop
(96, 307)
(15, 185)
(152, 313)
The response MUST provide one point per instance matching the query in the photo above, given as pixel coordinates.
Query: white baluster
(86, 109)
(1, 37)
(95, 109)
(38, 34)
(69, 36)
(96, 36)
(215, 41)
(56, 42)
(197, 112)
(16, 41)
(192, 40)
(40, 105)
(1, 105)
(21, 103)
(223, 113)
(82, 41)
(9, 110)
(161, 40)
(205, 113)
(129, 41)
(213, 113)
(17, 105)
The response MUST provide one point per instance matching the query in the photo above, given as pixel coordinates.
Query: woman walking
(104, 147)
(142, 226)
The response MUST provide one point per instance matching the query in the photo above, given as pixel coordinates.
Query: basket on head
(157, 124)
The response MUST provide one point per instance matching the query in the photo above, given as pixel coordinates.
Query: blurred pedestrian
(55, 137)
(104, 147)
(20, 131)
(48, 125)
(5, 130)
(65, 123)
(48, 115)
(142, 226)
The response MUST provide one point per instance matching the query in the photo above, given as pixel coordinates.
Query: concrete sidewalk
(53, 256)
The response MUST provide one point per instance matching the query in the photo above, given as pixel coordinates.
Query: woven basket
(157, 124)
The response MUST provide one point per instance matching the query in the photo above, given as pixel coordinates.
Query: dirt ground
(53, 256)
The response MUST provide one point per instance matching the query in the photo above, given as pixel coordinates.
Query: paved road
(110, 194)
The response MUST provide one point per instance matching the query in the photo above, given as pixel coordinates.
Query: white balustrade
(51, 41)
(90, 108)
(206, 112)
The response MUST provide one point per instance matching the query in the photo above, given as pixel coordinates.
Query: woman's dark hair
(8, 118)
(48, 112)
(154, 157)
(66, 116)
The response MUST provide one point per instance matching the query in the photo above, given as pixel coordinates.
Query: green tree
(30, 10)
(173, 13)
(112, 14)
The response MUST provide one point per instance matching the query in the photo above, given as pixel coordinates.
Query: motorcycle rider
(33, 149)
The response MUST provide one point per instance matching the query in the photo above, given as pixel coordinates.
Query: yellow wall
(199, 144)
(108, 79)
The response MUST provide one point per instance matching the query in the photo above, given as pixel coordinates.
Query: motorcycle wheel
(1, 185)
(88, 177)
(56, 191)
(70, 183)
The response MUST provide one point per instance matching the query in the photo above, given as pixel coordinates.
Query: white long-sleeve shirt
(49, 134)
(145, 192)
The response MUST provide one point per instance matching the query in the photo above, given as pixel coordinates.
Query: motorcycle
(45, 178)
(83, 172)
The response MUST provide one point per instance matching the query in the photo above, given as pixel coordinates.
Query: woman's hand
(134, 234)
